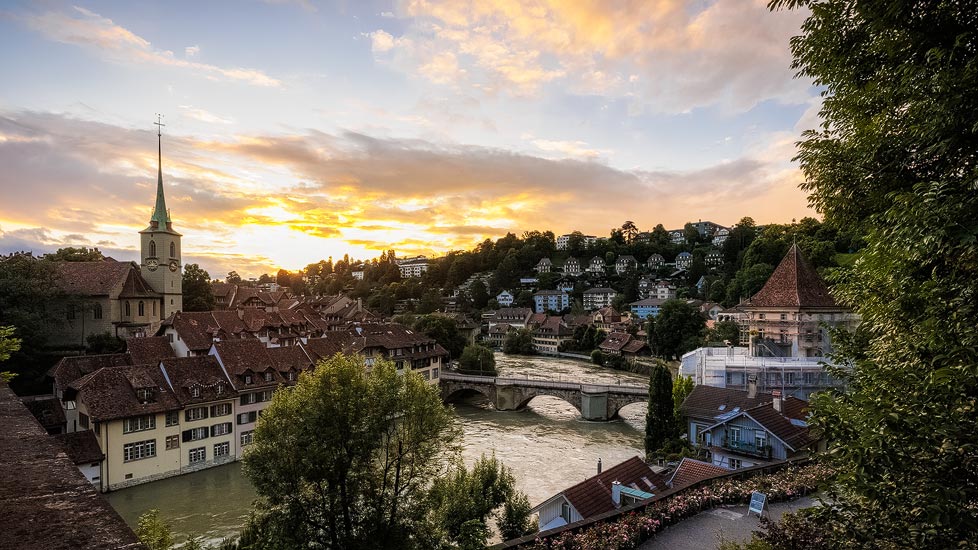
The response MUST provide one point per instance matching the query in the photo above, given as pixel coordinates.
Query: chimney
(751, 386)
(616, 493)
(776, 394)
(599, 465)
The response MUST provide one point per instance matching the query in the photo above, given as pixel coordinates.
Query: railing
(746, 447)
(546, 383)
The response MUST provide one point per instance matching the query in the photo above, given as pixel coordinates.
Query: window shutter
(187, 435)
(205, 412)
(186, 416)
(214, 430)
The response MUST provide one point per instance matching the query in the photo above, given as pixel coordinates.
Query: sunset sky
(298, 130)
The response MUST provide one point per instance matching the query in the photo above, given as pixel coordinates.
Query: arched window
(97, 311)
(173, 250)
(128, 311)
(142, 309)
(152, 249)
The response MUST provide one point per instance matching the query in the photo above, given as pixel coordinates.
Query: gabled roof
(69, 369)
(94, 278)
(600, 290)
(204, 371)
(329, 345)
(289, 358)
(691, 471)
(110, 393)
(149, 350)
(712, 403)
(794, 283)
(137, 287)
(648, 302)
(46, 409)
(241, 356)
(794, 436)
(615, 341)
(593, 495)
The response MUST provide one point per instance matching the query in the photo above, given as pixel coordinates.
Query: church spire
(161, 216)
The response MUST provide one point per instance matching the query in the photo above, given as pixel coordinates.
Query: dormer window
(248, 379)
(195, 391)
(145, 395)
(291, 376)
(268, 376)
(220, 388)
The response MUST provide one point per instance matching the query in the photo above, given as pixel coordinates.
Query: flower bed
(632, 529)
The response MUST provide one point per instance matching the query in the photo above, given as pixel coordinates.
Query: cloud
(204, 116)
(573, 149)
(191, 51)
(667, 57)
(381, 41)
(92, 31)
(286, 200)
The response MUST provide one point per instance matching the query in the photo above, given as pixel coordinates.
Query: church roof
(794, 283)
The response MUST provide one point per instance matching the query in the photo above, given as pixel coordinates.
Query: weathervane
(159, 124)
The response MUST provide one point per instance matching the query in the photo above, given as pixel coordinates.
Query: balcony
(747, 448)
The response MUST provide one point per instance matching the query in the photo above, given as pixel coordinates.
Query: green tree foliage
(105, 342)
(586, 338)
(444, 330)
(233, 278)
(896, 156)
(515, 520)
(345, 458)
(197, 295)
(431, 302)
(479, 360)
(75, 254)
(597, 358)
(725, 331)
(464, 501)
(519, 342)
(678, 328)
(682, 386)
(8, 345)
(479, 295)
(660, 420)
(153, 531)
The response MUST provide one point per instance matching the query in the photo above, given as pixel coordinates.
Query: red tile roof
(46, 409)
(151, 349)
(185, 373)
(794, 283)
(796, 437)
(82, 447)
(593, 495)
(708, 402)
(69, 369)
(110, 393)
(691, 471)
(92, 278)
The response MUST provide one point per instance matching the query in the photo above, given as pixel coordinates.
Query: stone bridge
(594, 402)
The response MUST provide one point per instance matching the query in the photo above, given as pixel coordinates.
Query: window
(197, 413)
(83, 420)
(172, 418)
(760, 316)
(735, 463)
(220, 389)
(173, 250)
(220, 429)
(784, 316)
(247, 438)
(172, 442)
(266, 395)
(268, 376)
(154, 309)
(733, 433)
(97, 311)
(146, 395)
(223, 409)
(291, 376)
(196, 434)
(197, 455)
(128, 310)
(248, 417)
(248, 380)
(222, 449)
(760, 440)
(434, 373)
(139, 450)
(142, 308)
(249, 398)
(152, 249)
(138, 423)
(195, 391)
(565, 511)
(170, 337)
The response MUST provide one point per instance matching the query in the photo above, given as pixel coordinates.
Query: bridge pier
(508, 398)
(594, 406)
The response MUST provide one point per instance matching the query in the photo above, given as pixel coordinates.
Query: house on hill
(626, 483)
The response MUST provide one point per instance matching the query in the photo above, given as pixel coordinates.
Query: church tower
(160, 252)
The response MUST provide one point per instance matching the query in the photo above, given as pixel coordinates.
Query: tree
(479, 295)
(444, 330)
(515, 521)
(73, 254)
(197, 294)
(682, 386)
(519, 342)
(679, 328)
(345, 458)
(725, 331)
(478, 359)
(233, 278)
(152, 531)
(895, 156)
(629, 230)
(660, 421)
(8, 345)
(430, 302)
(105, 342)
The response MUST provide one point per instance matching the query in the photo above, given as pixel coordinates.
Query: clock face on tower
(174, 265)
(152, 264)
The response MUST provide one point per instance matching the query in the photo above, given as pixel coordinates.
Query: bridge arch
(459, 393)
(634, 405)
(530, 396)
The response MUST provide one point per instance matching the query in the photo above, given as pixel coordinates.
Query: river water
(547, 445)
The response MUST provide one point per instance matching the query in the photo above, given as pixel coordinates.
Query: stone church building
(125, 299)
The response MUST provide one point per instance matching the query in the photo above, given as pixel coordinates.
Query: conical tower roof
(160, 220)
(794, 283)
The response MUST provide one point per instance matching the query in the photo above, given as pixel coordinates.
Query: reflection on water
(547, 445)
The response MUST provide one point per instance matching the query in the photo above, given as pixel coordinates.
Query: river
(547, 445)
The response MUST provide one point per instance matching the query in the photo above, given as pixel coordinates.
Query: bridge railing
(546, 383)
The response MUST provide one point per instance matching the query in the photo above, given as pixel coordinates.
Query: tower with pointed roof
(160, 255)
(790, 316)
